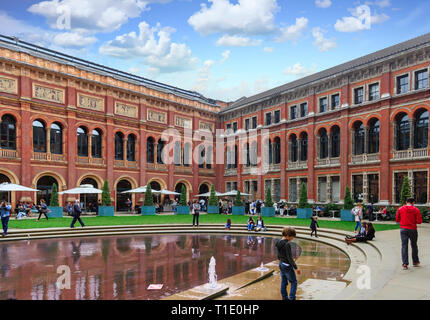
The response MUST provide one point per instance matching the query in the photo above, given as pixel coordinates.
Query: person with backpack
(408, 217)
(77, 214)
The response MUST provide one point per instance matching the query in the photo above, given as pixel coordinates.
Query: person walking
(77, 214)
(196, 213)
(357, 211)
(314, 225)
(5, 208)
(43, 209)
(409, 216)
(287, 265)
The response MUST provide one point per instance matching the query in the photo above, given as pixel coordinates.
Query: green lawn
(181, 219)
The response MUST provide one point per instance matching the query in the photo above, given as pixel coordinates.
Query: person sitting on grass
(368, 235)
(21, 212)
(228, 224)
(251, 224)
(260, 224)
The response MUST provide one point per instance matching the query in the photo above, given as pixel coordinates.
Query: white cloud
(246, 17)
(293, 32)
(379, 18)
(225, 56)
(322, 43)
(90, 16)
(237, 41)
(73, 40)
(162, 54)
(298, 71)
(205, 76)
(360, 20)
(268, 49)
(379, 3)
(323, 3)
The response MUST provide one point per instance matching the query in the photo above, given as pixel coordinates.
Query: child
(287, 264)
(228, 224)
(314, 225)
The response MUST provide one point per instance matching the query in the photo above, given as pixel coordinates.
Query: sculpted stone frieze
(8, 85)
(48, 94)
(123, 109)
(90, 102)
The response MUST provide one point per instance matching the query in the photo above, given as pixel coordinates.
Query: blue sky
(224, 49)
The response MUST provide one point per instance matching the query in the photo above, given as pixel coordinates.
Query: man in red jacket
(409, 216)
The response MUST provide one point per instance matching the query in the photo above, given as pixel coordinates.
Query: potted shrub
(54, 206)
(268, 210)
(405, 192)
(348, 204)
(238, 208)
(183, 207)
(304, 211)
(213, 202)
(106, 209)
(148, 208)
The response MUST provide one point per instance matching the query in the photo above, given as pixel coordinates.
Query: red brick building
(362, 124)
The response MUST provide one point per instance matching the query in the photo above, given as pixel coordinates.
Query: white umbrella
(233, 193)
(140, 190)
(82, 189)
(9, 187)
(167, 192)
(208, 194)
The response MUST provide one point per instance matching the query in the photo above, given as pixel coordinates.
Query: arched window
(8, 132)
(229, 162)
(119, 146)
(268, 152)
(294, 148)
(160, 148)
(421, 137)
(56, 139)
(373, 141)
(150, 150)
(187, 154)
(277, 151)
(248, 155)
(209, 158)
(96, 143)
(82, 142)
(403, 129)
(303, 146)
(131, 147)
(177, 153)
(235, 157)
(335, 142)
(201, 156)
(359, 138)
(323, 144)
(254, 153)
(39, 136)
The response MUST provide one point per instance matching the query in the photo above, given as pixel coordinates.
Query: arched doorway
(4, 195)
(121, 198)
(44, 184)
(88, 200)
(178, 189)
(156, 186)
(204, 188)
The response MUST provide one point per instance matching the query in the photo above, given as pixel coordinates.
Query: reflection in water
(123, 267)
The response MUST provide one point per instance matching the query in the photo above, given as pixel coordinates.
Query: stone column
(330, 137)
(299, 185)
(155, 152)
(48, 140)
(328, 184)
(411, 133)
(365, 188)
(90, 146)
(366, 139)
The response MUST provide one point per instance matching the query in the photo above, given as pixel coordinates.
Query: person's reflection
(4, 267)
(195, 251)
(76, 253)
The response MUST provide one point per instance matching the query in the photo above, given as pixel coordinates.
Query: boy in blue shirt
(5, 215)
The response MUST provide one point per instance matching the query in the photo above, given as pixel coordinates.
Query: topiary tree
(106, 200)
(348, 202)
(149, 199)
(183, 198)
(213, 199)
(268, 202)
(238, 200)
(405, 192)
(303, 200)
(54, 196)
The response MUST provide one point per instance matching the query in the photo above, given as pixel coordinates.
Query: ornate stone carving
(48, 94)
(183, 122)
(8, 85)
(157, 116)
(126, 110)
(206, 126)
(90, 102)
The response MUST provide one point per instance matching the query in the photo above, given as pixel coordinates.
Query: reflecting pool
(123, 267)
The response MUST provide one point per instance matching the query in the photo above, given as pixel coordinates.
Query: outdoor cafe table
(333, 212)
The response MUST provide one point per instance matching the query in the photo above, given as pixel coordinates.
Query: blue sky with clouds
(224, 49)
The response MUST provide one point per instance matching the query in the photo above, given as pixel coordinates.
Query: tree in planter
(238, 200)
(54, 196)
(149, 199)
(268, 202)
(106, 200)
(405, 192)
(213, 199)
(183, 198)
(348, 203)
(303, 200)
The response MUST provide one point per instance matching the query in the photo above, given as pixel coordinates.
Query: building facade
(362, 124)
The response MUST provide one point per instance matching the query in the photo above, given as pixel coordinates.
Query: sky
(223, 49)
